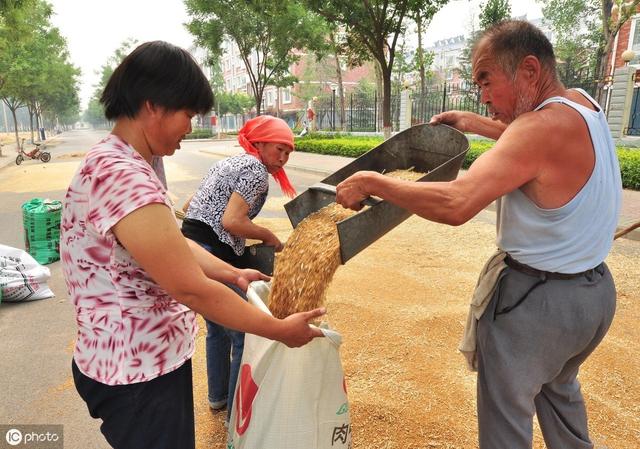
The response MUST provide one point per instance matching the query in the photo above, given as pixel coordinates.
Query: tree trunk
(15, 125)
(258, 97)
(340, 84)
(39, 120)
(31, 112)
(386, 103)
(380, 90)
(609, 38)
(420, 51)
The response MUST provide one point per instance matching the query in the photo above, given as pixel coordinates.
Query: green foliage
(265, 32)
(491, 12)
(337, 144)
(314, 70)
(423, 60)
(94, 114)
(365, 88)
(494, 11)
(476, 148)
(34, 63)
(233, 103)
(630, 167)
(199, 134)
(577, 29)
(371, 32)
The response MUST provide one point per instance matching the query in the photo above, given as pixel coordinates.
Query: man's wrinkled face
(504, 96)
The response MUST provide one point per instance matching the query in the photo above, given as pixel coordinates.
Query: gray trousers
(528, 358)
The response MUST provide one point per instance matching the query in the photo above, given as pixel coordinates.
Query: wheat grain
(305, 267)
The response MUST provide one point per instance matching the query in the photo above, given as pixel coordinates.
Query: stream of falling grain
(305, 267)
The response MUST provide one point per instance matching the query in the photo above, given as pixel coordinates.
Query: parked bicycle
(36, 153)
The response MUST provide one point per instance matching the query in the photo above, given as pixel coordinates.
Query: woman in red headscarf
(219, 218)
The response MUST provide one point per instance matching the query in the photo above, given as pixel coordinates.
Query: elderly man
(550, 298)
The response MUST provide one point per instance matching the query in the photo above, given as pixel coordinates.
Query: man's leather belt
(526, 269)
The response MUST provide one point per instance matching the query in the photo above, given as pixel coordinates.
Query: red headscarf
(266, 128)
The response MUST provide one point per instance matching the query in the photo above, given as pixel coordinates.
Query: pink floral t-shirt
(129, 329)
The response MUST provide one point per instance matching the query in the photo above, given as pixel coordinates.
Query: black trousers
(157, 414)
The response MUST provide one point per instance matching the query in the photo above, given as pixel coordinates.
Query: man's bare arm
(513, 162)
(469, 122)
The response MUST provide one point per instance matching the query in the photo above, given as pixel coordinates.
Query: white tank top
(577, 236)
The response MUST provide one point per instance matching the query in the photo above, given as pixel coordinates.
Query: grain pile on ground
(310, 258)
(306, 265)
(401, 305)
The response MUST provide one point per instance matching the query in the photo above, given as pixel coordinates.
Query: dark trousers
(157, 414)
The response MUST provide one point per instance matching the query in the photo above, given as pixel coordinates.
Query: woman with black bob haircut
(135, 281)
(158, 72)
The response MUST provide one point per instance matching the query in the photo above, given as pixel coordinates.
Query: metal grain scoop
(436, 150)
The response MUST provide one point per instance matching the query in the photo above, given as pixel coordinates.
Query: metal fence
(585, 79)
(465, 97)
(445, 97)
(363, 112)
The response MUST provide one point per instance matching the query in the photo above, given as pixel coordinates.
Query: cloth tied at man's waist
(488, 280)
(486, 286)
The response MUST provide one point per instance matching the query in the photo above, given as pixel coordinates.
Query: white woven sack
(21, 277)
(289, 398)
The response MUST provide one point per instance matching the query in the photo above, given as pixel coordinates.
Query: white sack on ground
(21, 277)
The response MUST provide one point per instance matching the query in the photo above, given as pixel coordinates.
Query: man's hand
(296, 331)
(247, 276)
(352, 191)
(470, 122)
(456, 119)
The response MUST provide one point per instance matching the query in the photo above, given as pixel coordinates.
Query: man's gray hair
(510, 41)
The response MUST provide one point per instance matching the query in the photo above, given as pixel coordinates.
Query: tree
(265, 32)
(585, 26)
(94, 114)
(233, 103)
(33, 62)
(316, 74)
(492, 12)
(615, 13)
(337, 54)
(372, 29)
(422, 59)
(577, 28)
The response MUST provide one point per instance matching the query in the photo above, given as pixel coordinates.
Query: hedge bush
(354, 146)
(337, 146)
(630, 167)
(199, 134)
